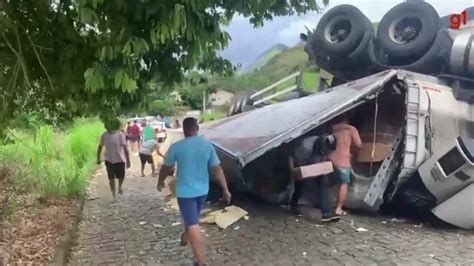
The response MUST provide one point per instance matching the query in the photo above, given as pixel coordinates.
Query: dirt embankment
(31, 227)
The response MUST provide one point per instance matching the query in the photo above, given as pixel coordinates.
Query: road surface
(140, 229)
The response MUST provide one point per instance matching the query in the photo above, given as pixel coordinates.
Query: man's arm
(99, 152)
(165, 171)
(157, 149)
(125, 150)
(127, 155)
(99, 149)
(356, 141)
(218, 175)
(167, 168)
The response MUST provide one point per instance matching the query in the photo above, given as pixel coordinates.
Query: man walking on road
(116, 154)
(135, 135)
(195, 158)
(347, 138)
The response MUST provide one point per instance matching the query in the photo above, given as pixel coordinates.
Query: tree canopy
(62, 58)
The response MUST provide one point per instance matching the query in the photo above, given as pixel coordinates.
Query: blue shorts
(190, 209)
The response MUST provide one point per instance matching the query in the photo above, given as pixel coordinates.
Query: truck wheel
(340, 31)
(231, 109)
(408, 29)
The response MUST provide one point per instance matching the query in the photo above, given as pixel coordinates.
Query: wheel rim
(337, 30)
(405, 30)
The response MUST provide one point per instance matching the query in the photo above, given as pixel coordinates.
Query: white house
(220, 97)
(176, 96)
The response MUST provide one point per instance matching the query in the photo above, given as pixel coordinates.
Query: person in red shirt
(135, 135)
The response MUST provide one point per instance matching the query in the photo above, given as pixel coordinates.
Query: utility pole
(204, 101)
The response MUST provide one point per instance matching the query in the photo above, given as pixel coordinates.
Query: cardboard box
(380, 151)
(315, 170)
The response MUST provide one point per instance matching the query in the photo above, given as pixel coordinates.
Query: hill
(279, 66)
(285, 63)
(265, 57)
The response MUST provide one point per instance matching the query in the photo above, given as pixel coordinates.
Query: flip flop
(183, 242)
(343, 213)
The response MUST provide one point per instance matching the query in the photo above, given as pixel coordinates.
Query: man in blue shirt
(195, 158)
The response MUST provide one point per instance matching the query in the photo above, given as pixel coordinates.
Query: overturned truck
(415, 125)
(411, 100)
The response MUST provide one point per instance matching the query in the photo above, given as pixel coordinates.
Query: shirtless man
(347, 139)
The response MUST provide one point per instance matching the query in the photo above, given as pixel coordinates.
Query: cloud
(290, 34)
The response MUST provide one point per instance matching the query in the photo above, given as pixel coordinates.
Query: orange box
(315, 170)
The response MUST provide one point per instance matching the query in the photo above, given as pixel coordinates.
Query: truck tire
(339, 31)
(408, 29)
(231, 109)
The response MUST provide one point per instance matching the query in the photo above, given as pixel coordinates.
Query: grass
(52, 163)
(213, 116)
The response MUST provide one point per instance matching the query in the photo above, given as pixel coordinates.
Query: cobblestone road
(138, 229)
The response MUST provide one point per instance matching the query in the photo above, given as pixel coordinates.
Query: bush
(53, 163)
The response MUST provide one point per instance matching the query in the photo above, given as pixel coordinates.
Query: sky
(248, 43)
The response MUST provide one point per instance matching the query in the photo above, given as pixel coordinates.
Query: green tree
(161, 107)
(61, 58)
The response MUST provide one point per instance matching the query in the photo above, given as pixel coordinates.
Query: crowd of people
(196, 160)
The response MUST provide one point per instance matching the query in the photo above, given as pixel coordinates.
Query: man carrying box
(309, 151)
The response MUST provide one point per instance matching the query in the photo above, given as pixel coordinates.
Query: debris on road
(395, 220)
(142, 223)
(157, 225)
(232, 215)
(176, 224)
(225, 217)
(361, 229)
(173, 204)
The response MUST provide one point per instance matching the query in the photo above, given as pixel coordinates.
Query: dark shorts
(144, 158)
(190, 209)
(115, 170)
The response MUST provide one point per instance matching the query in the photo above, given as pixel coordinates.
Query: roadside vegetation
(44, 172)
(213, 116)
(50, 162)
(63, 60)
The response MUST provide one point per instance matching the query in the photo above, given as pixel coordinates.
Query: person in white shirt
(146, 154)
